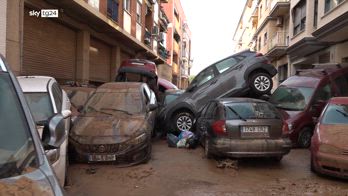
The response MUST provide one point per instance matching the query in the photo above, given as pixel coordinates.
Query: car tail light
(285, 130)
(219, 127)
(259, 54)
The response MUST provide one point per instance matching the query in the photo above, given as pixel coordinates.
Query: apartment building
(178, 43)
(318, 33)
(86, 42)
(294, 34)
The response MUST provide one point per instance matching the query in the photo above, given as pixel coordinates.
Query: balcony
(176, 47)
(162, 51)
(164, 21)
(147, 38)
(278, 44)
(175, 68)
(279, 8)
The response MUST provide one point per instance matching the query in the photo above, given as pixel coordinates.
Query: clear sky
(212, 24)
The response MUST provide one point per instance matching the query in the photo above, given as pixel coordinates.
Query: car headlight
(326, 148)
(138, 140)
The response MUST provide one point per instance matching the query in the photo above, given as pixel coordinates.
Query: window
(127, 5)
(40, 106)
(260, 11)
(204, 77)
(323, 94)
(259, 45)
(265, 39)
(266, 3)
(342, 84)
(251, 111)
(226, 64)
(57, 95)
(112, 9)
(138, 12)
(330, 4)
(336, 114)
(282, 72)
(299, 17)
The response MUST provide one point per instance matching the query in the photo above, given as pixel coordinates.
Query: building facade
(294, 34)
(3, 7)
(86, 42)
(178, 43)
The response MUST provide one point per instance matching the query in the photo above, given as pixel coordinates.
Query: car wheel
(183, 121)
(207, 152)
(149, 151)
(304, 140)
(261, 83)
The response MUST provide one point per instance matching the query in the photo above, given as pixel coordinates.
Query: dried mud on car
(23, 187)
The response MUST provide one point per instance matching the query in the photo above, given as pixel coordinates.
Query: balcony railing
(162, 51)
(280, 39)
(147, 38)
(274, 2)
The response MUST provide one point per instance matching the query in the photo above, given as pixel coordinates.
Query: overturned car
(115, 125)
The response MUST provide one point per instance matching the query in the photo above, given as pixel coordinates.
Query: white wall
(3, 18)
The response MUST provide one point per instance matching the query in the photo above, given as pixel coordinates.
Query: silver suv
(245, 73)
(22, 159)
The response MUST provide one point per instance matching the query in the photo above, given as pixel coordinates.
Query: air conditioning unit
(155, 30)
(279, 21)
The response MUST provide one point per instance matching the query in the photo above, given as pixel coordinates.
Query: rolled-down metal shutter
(49, 48)
(99, 61)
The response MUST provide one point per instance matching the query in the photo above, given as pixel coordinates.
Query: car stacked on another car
(22, 156)
(116, 125)
(329, 147)
(45, 98)
(302, 98)
(243, 127)
(245, 73)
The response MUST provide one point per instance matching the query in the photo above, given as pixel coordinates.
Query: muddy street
(174, 172)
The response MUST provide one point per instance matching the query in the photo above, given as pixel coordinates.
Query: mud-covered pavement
(185, 172)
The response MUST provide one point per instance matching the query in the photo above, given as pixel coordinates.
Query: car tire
(304, 139)
(183, 121)
(149, 152)
(261, 83)
(207, 152)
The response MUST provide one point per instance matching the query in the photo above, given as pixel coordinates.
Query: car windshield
(336, 114)
(114, 102)
(170, 97)
(40, 106)
(17, 151)
(291, 98)
(251, 110)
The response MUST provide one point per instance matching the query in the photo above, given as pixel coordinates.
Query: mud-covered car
(243, 127)
(115, 125)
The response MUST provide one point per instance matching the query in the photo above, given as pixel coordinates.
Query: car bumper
(131, 156)
(329, 164)
(250, 148)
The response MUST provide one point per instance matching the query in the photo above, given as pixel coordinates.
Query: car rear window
(336, 114)
(251, 110)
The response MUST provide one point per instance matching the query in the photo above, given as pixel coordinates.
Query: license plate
(254, 131)
(97, 157)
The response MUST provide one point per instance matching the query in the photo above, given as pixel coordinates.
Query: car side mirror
(191, 88)
(54, 132)
(66, 113)
(152, 107)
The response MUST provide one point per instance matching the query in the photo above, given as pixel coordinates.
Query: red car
(329, 147)
(302, 98)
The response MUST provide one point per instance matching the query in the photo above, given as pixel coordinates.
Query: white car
(45, 98)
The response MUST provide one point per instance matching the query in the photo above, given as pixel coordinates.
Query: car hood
(107, 129)
(334, 134)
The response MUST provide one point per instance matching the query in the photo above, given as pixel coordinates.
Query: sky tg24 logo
(45, 13)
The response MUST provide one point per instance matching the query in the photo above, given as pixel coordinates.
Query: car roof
(239, 100)
(120, 87)
(34, 83)
(312, 77)
(339, 100)
(167, 84)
